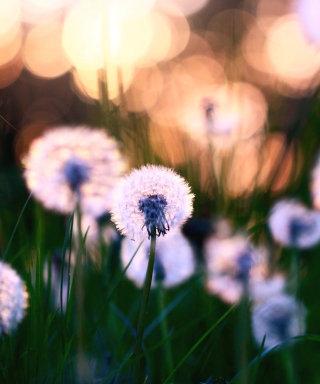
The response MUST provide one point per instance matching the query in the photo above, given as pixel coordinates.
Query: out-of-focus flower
(13, 298)
(293, 225)
(152, 198)
(174, 260)
(68, 164)
(280, 317)
(232, 264)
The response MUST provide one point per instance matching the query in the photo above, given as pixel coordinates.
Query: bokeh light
(43, 53)
(280, 163)
(292, 57)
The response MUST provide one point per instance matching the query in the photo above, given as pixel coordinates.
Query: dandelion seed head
(232, 264)
(13, 298)
(68, 164)
(77, 172)
(174, 260)
(279, 317)
(153, 208)
(151, 198)
(293, 225)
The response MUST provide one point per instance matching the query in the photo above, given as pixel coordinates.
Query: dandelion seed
(152, 198)
(68, 164)
(293, 225)
(174, 261)
(279, 318)
(13, 298)
(232, 264)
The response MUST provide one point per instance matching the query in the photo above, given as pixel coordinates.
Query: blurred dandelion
(171, 267)
(68, 164)
(293, 225)
(232, 264)
(13, 298)
(279, 317)
(151, 198)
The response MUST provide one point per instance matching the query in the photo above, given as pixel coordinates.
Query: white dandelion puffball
(279, 318)
(294, 225)
(68, 164)
(231, 265)
(13, 298)
(152, 198)
(174, 260)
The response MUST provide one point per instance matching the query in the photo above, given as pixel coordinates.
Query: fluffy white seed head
(293, 225)
(279, 318)
(13, 298)
(67, 164)
(174, 260)
(232, 265)
(151, 198)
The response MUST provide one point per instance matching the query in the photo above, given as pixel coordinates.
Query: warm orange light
(146, 86)
(240, 175)
(10, 45)
(227, 113)
(24, 138)
(279, 165)
(82, 36)
(43, 53)
(180, 32)
(135, 40)
(293, 58)
(43, 11)
(10, 16)
(127, 9)
(11, 71)
(187, 7)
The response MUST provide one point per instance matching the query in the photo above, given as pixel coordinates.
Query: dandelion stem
(81, 363)
(138, 379)
(164, 331)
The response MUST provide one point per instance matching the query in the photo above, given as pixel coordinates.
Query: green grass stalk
(138, 378)
(167, 351)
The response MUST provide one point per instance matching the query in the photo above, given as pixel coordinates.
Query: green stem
(167, 351)
(143, 309)
(81, 361)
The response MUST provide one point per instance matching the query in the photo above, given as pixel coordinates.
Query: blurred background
(225, 92)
